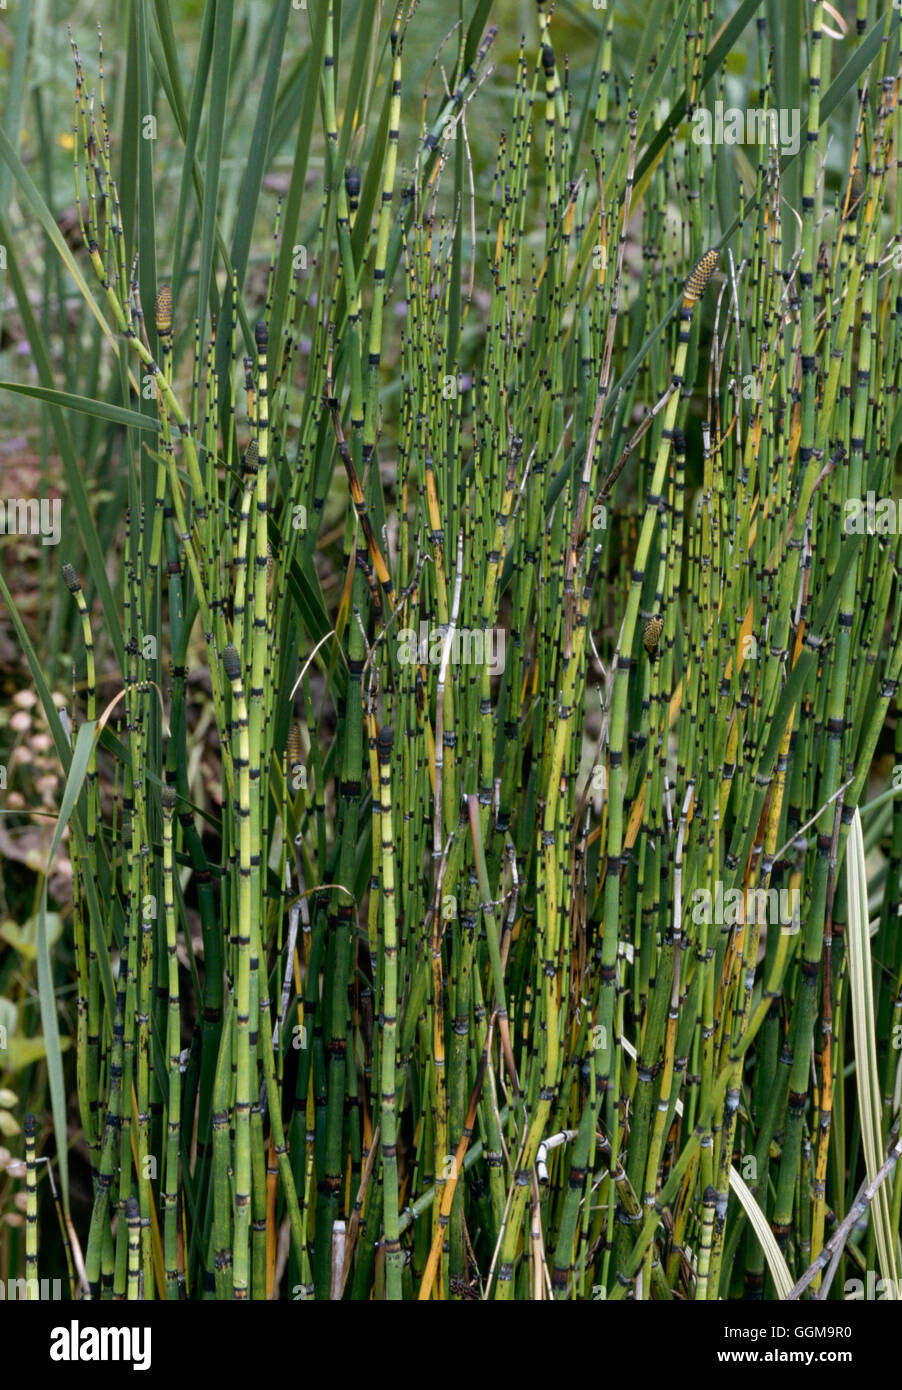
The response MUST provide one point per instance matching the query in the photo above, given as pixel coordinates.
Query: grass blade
(867, 1074)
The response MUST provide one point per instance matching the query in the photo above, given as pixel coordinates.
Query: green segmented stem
(133, 1222)
(625, 663)
(221, 1233)
(31, 1211)
(89, 980)
(173, 1051)
(242, 932)
(389, 1025)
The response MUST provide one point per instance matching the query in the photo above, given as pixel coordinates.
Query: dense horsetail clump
(508, 533)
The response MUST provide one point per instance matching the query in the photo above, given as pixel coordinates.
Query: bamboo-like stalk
(389, 1025)
(173, 1051)
(31, 1211)
(243, 1092)
(133, 1221)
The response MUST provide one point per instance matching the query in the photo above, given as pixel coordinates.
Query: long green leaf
(221, 60)
(864, 1028)
(66, 400)
(74, 481)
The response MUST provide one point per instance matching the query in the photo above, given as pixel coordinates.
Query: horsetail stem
(31, 1210)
